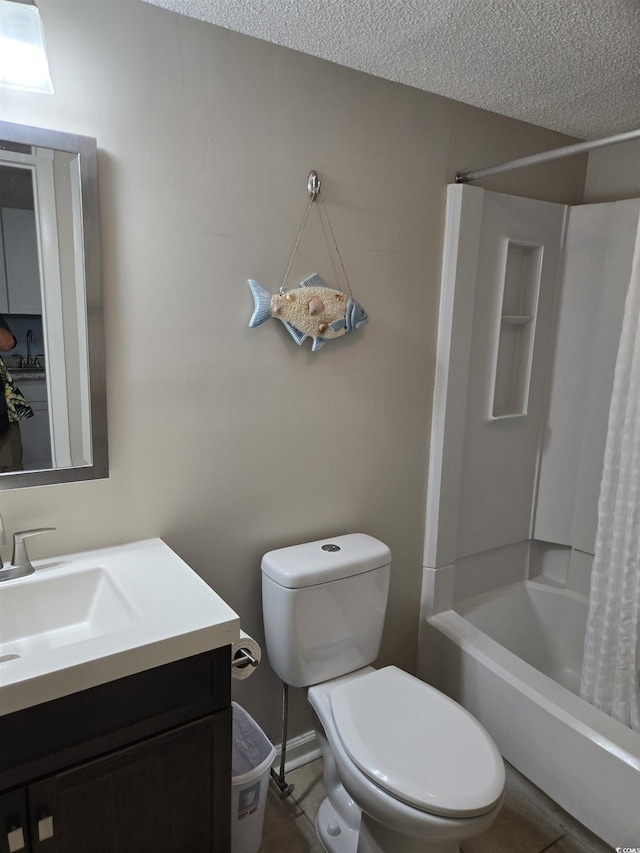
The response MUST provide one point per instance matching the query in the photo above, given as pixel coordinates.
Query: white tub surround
(517, 454)
(530, 316)
(502, 258)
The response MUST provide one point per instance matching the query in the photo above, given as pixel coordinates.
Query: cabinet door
(168, 794)
(14, 825)
(21, 261)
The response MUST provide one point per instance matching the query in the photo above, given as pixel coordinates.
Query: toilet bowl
(420, 768)
(406, 769)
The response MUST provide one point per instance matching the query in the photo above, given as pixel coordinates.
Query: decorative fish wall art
(309, 311)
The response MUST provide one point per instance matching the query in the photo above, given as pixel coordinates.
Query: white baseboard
(300, 750)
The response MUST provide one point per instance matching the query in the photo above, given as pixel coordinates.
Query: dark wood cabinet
(14, 821)
(142, 765)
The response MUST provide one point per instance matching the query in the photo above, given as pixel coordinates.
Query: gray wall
(228, 441)
(613, 173)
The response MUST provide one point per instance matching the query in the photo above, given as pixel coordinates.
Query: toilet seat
(417, 744)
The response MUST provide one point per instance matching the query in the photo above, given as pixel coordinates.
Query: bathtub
(512, 657)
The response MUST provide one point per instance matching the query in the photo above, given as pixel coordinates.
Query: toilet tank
(324, 604)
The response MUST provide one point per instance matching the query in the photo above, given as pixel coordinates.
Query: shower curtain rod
(554, 154)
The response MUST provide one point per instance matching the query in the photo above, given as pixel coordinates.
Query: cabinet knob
(45, 828)
(15, 839)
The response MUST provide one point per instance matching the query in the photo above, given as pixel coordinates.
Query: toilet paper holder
(243, 658)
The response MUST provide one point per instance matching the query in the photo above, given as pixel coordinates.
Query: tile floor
(521, 827)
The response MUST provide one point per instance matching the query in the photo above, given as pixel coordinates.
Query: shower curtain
(610, 672)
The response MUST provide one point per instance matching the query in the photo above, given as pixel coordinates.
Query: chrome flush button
(330, 547)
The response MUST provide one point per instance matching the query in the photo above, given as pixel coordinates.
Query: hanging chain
(318, 195)
(335, 243)
(295, 248)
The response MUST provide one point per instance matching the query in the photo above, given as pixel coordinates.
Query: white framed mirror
(51, 300)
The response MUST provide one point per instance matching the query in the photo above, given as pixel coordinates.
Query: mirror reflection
(25, 442)
(52, 406)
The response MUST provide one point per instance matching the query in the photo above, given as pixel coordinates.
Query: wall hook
(313, 185)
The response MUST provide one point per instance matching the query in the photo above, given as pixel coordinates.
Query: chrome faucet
(31, 339)
(20, 565)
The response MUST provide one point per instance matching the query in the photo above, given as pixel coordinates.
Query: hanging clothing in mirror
(13, 408)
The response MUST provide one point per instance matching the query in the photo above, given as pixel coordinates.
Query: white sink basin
(56, 609)
(88, 618)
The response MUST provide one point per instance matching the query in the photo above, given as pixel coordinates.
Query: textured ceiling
(569, 65)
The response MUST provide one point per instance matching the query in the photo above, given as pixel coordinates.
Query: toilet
(406, 769)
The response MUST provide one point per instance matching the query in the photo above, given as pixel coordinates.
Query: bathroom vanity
(129, 747)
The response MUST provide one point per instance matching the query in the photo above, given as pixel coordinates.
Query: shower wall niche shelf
(516, 330)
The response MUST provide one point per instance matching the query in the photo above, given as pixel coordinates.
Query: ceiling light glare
(23, 55)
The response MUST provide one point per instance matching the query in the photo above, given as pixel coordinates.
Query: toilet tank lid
(325, 560)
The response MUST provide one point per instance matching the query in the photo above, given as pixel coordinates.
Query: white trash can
(251, 760)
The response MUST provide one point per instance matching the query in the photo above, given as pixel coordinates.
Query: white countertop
(120, 611)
